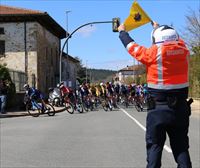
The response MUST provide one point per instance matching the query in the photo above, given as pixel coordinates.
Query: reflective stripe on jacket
(166, 63)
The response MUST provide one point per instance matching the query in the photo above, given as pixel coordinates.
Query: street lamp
(67, 34)
(67, 12)
(86, 72)
(70, 35)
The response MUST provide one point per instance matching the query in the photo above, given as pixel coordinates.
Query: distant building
(30, 43)
(130, 71)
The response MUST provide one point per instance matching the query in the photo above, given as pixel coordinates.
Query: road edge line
(168, 149)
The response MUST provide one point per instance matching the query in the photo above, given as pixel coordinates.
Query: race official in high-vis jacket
(167, 77)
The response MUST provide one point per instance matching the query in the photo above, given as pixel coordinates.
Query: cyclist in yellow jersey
(103, 91)
(97, 90)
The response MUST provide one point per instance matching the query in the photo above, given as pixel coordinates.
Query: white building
(130, 71)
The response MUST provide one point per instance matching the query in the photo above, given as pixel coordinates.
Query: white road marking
(168, 149)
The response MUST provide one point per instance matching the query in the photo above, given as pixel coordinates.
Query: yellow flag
(136, 18)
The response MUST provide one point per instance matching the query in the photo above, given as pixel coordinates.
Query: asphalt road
(96, 139)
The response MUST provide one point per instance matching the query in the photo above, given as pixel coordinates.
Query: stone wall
(48, 58)
(14, 46)
(42, 52)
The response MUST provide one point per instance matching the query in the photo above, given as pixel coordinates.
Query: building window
(2, 48)
(1, 30)
(19, 79)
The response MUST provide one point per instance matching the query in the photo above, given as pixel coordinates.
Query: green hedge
(194, 75)
(4, 74)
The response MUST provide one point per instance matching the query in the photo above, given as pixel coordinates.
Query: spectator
(3, 96)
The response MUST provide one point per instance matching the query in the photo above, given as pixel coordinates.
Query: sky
(96, 45)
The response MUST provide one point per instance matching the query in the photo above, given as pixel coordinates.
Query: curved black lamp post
(70, 35)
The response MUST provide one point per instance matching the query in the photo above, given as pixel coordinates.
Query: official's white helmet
(164, 33)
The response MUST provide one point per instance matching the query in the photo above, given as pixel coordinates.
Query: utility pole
(67, 34)
(90, 76)
(67, 12)
(86, 71)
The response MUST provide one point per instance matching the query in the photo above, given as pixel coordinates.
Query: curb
(25, 114)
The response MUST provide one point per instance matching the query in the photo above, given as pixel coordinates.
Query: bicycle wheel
(79, 107)
(32, 110)
(126, 104)
(91, 106)
(137, 106)
(69, 107)
(105, 105)
(85, 106)
(51, 110)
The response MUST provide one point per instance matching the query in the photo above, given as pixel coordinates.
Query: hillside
(100, 75)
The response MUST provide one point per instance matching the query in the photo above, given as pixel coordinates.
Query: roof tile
(6, 10)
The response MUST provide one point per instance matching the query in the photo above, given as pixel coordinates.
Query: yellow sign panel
(137, 17)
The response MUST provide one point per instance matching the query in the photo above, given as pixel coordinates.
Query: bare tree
(191, 35)
(191, 32)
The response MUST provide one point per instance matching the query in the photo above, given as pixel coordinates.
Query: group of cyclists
(109, 95)
(115, 93)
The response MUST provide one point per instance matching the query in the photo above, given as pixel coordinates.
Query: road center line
(168, 149)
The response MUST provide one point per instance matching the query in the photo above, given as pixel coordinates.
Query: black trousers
(163, 120)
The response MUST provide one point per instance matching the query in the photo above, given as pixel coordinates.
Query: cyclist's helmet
(26, 86)
(164, 33)
(61, 84)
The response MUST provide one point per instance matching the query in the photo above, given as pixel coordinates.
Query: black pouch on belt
(151, 104)
(189, 102)
(172, 102)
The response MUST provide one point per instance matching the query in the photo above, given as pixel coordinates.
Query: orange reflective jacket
(166, 63)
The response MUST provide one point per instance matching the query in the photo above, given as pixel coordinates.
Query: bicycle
(125, 101)
(104, 104)
(69, 107)
(35, 108)
(138, 103)
(88, 103)
(77, 103)
(107, 103)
